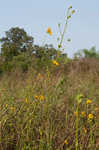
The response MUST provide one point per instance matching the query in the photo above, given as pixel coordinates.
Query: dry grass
(37, 110)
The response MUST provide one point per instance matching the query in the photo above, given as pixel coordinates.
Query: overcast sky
(35, 16)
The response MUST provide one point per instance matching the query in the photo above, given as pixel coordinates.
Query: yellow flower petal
(55, 63)
(41, 97)
(49, 31)
(88, 101)
(66, 142)
(90, 116)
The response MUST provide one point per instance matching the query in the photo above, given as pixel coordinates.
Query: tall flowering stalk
(70, 12)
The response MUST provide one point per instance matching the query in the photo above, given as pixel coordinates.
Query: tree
(15, 42)
(85, 53)
(91, 53)
(47, 52)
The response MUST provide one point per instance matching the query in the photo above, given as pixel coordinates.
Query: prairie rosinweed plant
(69, 14)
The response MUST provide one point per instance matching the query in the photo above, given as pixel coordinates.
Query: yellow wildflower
(85, 130)
(26, 100)
(36, 97)
(88, 101)
(55, 63)
(83, 114)
(49, 31)
(66, 142)
(90, 116)
(41, 97)
(76, 113)
(6, 105)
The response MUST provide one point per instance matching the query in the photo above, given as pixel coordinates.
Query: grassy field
(53, 110)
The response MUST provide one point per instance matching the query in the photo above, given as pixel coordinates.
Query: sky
(35, 16)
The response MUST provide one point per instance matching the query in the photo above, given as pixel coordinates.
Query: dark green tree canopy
(15, 42)
(46, 51)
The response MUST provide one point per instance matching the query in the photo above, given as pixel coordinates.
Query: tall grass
(42, 111)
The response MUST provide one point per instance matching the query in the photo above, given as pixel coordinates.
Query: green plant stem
(77, 123)
(65, 27)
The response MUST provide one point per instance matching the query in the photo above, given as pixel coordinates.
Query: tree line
(19, 51)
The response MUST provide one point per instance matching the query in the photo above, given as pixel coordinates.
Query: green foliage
(44, 55)
(22, 62)
(15, 42)
(91, 53)
(46, 52)
(18, 51)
